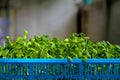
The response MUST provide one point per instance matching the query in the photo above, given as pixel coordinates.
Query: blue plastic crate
(88, 1)
(59, 69)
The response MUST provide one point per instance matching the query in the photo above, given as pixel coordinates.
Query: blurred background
(99, 19)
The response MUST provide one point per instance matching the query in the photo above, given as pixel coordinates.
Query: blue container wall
(88, 1)
(59, 69)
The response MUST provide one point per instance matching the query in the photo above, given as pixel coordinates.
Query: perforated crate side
(59, 69)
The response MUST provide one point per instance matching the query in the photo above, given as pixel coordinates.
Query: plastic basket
(59, 69)
(88, 1)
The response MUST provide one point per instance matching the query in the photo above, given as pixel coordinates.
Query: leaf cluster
(42, 46)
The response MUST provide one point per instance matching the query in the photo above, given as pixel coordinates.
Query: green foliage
(42, 46)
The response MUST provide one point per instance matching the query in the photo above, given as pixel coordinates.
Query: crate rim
(58, 60)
